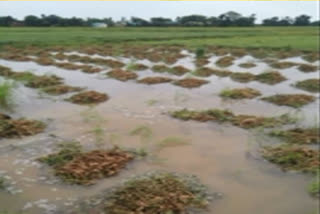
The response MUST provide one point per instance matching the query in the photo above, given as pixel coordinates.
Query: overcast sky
(147, 9)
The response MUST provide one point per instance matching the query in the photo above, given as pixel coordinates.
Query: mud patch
(298, 135)
(240, 93)
(311, 85)
(292, 100)
(88, 97)
(122, 75)
(190, 82)
(10, 128)
(155, 80)
(293, 158)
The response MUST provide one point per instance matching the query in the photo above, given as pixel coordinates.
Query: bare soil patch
(190, 82)
(88, 97)
(292, 100)
(155, 80)
(122, 75)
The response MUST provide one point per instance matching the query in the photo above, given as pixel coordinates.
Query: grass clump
(243, 121)
(240, 93)
(43, 81)
(10, 128)
(299, 135)
(242, 77)
(84, 168)
(225, 61)
(88, 97)
(6, 92)
(160, 68)
(164, 193)
(179, 70)
(271, 77)
(122, 75)
(250, 121)
(292, 100)
(293, 158)
(137, 67)
(283, 65)
(247, 65)
(206, 72)
(190, 82)
(203, 116)
(68, 151)
(60, 89)
(311, 85)
(155, 80)
(307, 68)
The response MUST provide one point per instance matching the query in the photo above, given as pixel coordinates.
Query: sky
(147, 9)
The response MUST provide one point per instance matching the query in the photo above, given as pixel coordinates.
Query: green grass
(6, 90)
(300, 38)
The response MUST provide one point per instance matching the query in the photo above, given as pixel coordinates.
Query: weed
(292, 100)
(137, 67)
(60, 89)
(160, 68)
(157, 193)
(6, 92)
(314, 186)
(225, 61)
(242, 77)
(155, 80)
(240, 93)
(122, 75)
(270, 77)
(88, 97)
(244, 121)
(283, 65)
(74, 166)
(152, 102)
(307, 68)
(298, 135)
(190, 82)
(311, 85)
(247, 65)
(200, 52)
(293, 158)
(10, 128)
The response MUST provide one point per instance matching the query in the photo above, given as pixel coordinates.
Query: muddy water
(224, 157)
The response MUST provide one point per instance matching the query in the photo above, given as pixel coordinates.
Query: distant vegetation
(230, 18)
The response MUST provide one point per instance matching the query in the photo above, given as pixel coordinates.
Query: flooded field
(128, 101)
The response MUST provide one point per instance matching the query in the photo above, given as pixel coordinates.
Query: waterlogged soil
(225, 156)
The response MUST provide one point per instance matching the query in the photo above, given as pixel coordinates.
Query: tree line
(230, 18)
